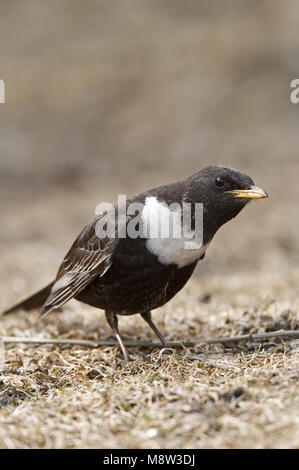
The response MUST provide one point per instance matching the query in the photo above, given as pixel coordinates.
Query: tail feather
(34, 301)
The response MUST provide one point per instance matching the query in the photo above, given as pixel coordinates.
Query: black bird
(126, 275)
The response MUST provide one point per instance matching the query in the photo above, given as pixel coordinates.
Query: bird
(125, 274)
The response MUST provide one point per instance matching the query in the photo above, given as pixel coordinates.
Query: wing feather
(89, 257)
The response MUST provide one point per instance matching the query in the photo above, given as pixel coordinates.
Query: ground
(105, 98)
(245, 396)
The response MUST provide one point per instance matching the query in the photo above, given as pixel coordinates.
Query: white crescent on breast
(179, 250)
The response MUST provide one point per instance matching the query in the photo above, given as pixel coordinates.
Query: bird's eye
(219, 182)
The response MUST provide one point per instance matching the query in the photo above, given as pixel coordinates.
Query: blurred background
(106, 97)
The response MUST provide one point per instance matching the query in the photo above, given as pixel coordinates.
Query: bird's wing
(90, 256)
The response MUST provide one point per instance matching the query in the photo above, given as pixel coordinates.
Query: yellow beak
(252, 193)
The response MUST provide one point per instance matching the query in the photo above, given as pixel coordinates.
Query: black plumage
(125, 276)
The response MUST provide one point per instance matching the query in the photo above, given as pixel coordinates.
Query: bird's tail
(34, 301)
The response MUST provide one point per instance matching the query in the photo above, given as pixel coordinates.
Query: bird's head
(223, 192)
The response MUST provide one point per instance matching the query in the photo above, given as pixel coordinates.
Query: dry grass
(210, 397)
(108, 97)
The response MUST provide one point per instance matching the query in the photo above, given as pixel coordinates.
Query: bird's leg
(147, 316)
(113, 323)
